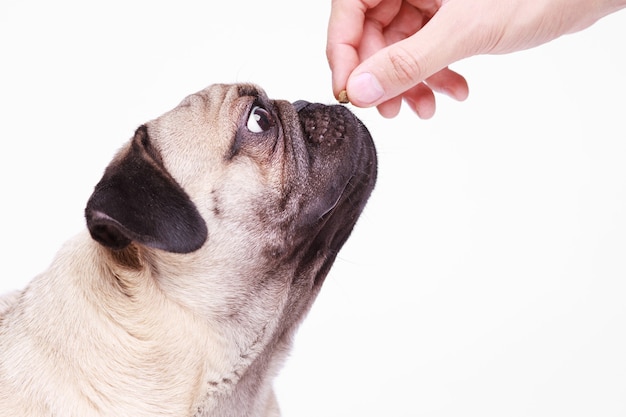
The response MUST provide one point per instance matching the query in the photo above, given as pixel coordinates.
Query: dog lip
(336, 203)
(342, 164)
(300, 104)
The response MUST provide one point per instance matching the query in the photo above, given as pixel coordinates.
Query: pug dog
(208, 238)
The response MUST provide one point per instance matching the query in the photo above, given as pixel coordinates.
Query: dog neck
(106, 329)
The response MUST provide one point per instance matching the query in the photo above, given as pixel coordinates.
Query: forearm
(584, 13)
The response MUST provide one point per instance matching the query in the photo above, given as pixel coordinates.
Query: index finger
(345, 30)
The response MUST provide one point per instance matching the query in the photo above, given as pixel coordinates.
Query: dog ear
(138, 200)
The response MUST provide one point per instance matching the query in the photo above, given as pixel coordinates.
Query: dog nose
(300, 104)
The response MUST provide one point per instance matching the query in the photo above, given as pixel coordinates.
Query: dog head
(241, 203)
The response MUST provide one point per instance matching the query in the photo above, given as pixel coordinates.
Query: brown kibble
(343, 97)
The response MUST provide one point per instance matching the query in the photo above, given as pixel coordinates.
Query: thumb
(401, 66)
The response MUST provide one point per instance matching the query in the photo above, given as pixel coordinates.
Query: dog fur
(207, 241)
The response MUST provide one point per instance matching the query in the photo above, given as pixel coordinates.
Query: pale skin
(384, 52)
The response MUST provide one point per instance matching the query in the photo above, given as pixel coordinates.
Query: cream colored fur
(144, 332)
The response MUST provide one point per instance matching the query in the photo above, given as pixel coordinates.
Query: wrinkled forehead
(213, 112)
(194, 138)
(222, 100)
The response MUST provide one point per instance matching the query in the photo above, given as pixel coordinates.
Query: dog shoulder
(7, 301)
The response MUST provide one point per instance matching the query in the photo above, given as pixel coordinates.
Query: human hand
(384, 51)
(362, 29)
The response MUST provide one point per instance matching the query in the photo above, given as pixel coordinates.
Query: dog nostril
(300, 104)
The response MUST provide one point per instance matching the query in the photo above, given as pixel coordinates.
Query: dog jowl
(208, 238)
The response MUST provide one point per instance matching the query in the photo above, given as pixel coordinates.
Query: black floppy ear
(138, 200)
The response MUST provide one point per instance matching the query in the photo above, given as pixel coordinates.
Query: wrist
(584, 13)
(606, 7)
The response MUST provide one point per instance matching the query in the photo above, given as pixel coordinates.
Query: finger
(371, 43)
(395, 69)
(421, 100)
(372, 39)
(407, 21)
(384, 11)
(345, 30)
(428, 7)
(390, 109)
(449, 83)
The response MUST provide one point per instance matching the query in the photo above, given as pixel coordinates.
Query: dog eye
(260, 120)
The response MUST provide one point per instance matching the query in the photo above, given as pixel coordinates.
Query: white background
(486, 276)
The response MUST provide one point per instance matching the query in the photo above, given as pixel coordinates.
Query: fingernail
(365, 89)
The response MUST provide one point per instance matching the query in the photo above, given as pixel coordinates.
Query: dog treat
(343, 97)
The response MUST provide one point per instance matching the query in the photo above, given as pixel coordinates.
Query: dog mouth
(336, 203)
(341, 155)
(342, 168)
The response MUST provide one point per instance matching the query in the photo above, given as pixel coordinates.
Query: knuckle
(406, 68)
